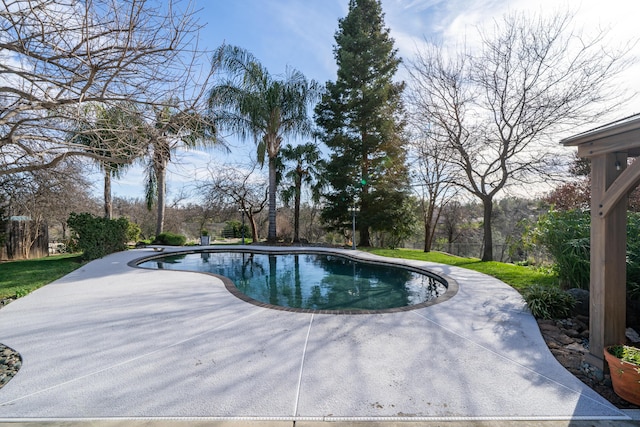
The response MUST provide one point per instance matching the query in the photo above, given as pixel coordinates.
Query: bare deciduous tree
(500, 105)
(431, 173)
(59, 55)
(46, 197)
(239, 189)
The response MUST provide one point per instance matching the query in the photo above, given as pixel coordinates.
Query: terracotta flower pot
(625, 378)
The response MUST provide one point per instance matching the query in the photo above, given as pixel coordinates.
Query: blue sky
(300, 34)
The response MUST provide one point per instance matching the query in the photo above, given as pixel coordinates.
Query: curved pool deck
(113, 342)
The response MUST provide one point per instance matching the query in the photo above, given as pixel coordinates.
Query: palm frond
(262, 150)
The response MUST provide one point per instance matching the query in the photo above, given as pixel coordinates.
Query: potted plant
(624, 365)
(204, 238)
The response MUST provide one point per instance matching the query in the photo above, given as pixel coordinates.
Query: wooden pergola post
(607, 302)
(609, 147)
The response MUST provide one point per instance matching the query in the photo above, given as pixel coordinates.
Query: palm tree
(307, 169)
(172, 128)
(114, 137)
(252, 103)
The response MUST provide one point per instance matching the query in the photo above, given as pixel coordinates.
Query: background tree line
(409, 158)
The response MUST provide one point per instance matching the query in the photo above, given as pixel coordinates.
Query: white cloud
(456, 22)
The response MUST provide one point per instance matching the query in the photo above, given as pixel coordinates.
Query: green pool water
(312, 281)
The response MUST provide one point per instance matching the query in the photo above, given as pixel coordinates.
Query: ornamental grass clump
(548, 302)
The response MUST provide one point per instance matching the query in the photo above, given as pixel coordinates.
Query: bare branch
(238, 188)
(59, 58)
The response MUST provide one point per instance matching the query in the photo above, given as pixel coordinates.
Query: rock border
(10, 364)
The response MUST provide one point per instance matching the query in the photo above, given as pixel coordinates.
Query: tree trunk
(161, 176)
(296, 210)
(427, 241)
(429, 226)
(271, 236)
(487, 252)
(365, 237)
(108, 204)
(254, 227)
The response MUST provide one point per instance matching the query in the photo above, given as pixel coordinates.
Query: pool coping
(450, 283)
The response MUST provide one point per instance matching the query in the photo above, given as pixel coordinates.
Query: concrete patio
(110, 344)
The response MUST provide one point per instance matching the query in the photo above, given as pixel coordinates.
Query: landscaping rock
(576, 347)
(632, 335)
(10, 360)
(572, 333)
(582, 319)
(582, 301)
(547, 325)
(10, 363)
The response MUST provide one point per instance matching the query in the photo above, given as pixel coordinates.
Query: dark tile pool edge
(451, 284)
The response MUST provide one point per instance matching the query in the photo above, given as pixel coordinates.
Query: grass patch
(518, 277)
(18, 278)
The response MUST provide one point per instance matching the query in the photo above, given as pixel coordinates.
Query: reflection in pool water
(311, 281)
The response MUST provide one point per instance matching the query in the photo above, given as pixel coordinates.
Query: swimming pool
(312, 281)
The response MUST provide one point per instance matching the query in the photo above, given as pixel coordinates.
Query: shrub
(233, 229)
(170, 239)
(566, 236)
(633, 254)
(133, 232)
(97, 236)
(548, 302)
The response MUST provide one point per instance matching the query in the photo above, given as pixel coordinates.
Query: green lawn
(18, 278)
(516, 276)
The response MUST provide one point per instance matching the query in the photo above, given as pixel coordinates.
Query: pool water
(311, 281)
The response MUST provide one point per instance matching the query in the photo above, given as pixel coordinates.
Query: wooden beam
(628, 142)
(620, 188)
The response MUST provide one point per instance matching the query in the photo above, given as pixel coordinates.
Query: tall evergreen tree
(360, 121)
